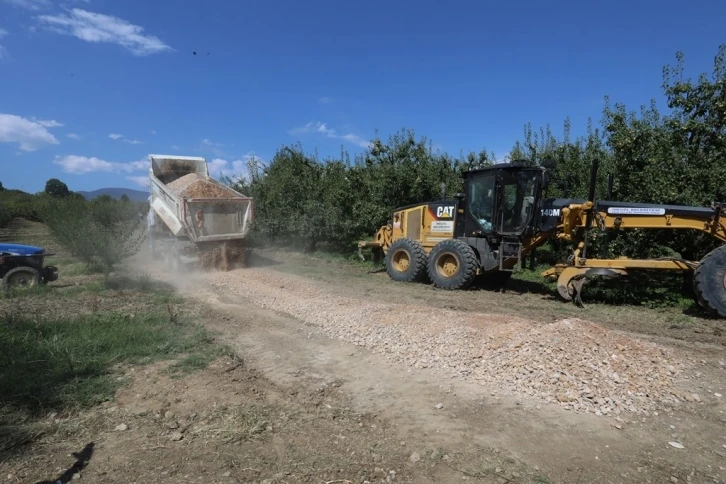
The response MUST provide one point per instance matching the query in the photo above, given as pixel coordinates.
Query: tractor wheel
(21, 277)
(709, 282)
(406, 261)
(452, 265)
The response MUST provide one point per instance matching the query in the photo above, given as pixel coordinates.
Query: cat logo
(445, 212)
(550, 212)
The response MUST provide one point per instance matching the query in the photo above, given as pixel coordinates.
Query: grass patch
(200, 358)
(19, 293)
(68, 362)
(654, 289)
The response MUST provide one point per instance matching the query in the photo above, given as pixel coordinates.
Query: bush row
(670, 158)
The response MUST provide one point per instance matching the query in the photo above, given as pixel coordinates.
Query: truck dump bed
(193, 204)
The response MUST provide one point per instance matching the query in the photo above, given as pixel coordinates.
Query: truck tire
(452, 265)
(406, 261)
(709, 282)
(21, 277)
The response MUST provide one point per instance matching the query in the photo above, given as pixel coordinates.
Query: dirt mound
(195, 186)
(577, 364)
(223, 257)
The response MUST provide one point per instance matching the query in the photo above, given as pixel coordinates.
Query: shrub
(101, 232)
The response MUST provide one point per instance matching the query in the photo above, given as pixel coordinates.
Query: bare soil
(343, 375)
(400, 350)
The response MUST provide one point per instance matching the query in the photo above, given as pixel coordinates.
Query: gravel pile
(196, 186)
(575, 363)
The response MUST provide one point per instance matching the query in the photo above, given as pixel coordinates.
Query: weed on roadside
(52, 364)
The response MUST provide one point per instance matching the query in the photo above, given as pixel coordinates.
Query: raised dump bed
(192, 214)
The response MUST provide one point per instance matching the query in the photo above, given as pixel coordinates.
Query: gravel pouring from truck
(193, 218)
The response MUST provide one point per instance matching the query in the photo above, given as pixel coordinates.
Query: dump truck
(193, 219)
(504, 214)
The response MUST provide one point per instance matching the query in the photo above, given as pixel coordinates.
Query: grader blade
(577, 287)
(571, 279)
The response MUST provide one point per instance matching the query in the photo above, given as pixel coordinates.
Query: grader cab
(486, 232)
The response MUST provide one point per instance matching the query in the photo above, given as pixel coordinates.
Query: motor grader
(503, 215)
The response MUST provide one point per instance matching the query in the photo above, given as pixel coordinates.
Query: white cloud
(140, 180)
(153, 131)
(217, 165)
(117, 136)
(30, 4)
(175, 147)
(506, 158)
(100, 28)
(207, 142)
(213, 147)
(325, 100)
(322, 128)
(30, 135)
(355, 139)
(3, 33)
(80, 165)
(73, 136)
(234, 169)
(139, 165)
(48, 123)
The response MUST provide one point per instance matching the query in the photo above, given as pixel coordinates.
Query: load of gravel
(196, 186)
(575, 363)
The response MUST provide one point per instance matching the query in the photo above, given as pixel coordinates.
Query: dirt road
(567, 398)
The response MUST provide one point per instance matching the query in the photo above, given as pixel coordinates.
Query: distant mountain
(134, 195)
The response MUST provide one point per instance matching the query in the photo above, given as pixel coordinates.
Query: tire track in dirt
(575, 363)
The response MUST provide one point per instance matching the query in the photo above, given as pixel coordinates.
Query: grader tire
(709, 282)
(406, 261)
(452, 265)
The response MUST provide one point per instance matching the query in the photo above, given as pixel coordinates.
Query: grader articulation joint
(503, 215)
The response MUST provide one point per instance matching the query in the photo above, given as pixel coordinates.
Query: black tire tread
(712, 297)
(35, 272)
(418, 261)
(469, 264)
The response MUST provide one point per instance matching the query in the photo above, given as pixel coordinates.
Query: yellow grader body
(486, 232)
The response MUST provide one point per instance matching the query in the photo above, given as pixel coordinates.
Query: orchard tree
(56, 188)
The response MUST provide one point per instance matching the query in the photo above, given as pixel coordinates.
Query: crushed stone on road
(574, 363)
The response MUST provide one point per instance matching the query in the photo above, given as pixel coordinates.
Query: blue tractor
(22, 266)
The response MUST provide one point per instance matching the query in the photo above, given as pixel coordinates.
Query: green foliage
(16, 203)
(101, 232)
(56, 188)
(55, 364)
(303, 201)
(673, 157)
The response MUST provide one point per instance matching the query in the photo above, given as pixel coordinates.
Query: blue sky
(88, 88)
